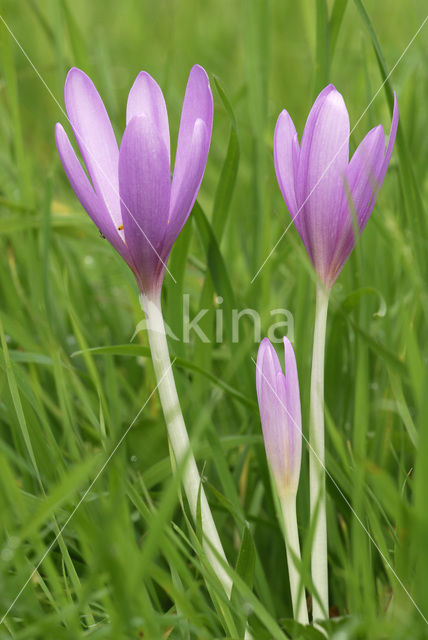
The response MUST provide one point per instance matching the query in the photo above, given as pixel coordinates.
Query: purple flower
(326, 194)
(279, 404)
(129, 194)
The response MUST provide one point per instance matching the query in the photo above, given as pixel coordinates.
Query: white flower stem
(319, 565)
(292, 544)
(179, 439)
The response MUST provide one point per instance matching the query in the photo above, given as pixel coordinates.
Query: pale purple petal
(268, 366)
(90, 201)
(279, 444)
(77, 176)
(323, 159)
(183, 195)
(325, 184)
(267, 363)
(294, 409)
(364, 176)
(95, 137)
(391, 140)
(361, 187)
(146, 98)
(363, 173)
(145, 224)
(271, 409)
(311, 122)
(197, 105)
(279, 404)
(145, 194)
(286, 156)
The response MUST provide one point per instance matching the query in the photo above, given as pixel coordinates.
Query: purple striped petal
(300, 178)
(270, 405)
(363, 174)
(327, 190)
(361, 187)
(286, 157)
(183, 195)
(279, 435)
(144, 225)
(146, 99)
(90, 201)
(391, 140)
(145, 195)
(268, 366)
(197, 106)
(292, 400)
(367, 168)
(323, 160)
(95, 137)
(279, 404)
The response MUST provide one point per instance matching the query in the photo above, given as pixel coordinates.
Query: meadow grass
(128, 563)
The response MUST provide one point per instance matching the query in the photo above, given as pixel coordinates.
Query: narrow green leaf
(246, 558)
(216, 265)
(336, 19)
(229, 171)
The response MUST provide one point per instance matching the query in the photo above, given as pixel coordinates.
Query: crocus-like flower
(279, 404)
(129, 194)
(327, 195)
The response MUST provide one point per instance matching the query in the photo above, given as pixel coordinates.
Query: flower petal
(292, 401)
(286, 156)
(268, 366)
(90, 201)
(95, 137)
(146, 98)
(367, 168)
(363, 173)
(271, 405)
(183, 194)
(283, 447)
(391, 140)
(279, 403)
(323, 160)
(311, 122)
(145, 194)
(361, 187)
(197, 105)
(364, 177)
(376, 160)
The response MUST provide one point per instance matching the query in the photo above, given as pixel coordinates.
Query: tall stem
(288, 506)
(319, 566)
(179, 438)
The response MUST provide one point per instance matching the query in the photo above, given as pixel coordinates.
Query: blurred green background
(125, 564)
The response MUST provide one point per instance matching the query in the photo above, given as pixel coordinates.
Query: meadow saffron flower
(328, 196)
(135, 205)
(129, 193)
(330, 200)
(279, 404)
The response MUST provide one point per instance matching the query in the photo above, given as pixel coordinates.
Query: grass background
(125, 565)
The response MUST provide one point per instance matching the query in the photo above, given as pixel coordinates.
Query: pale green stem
(319, 566)
(179, 439)
(292, 544)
